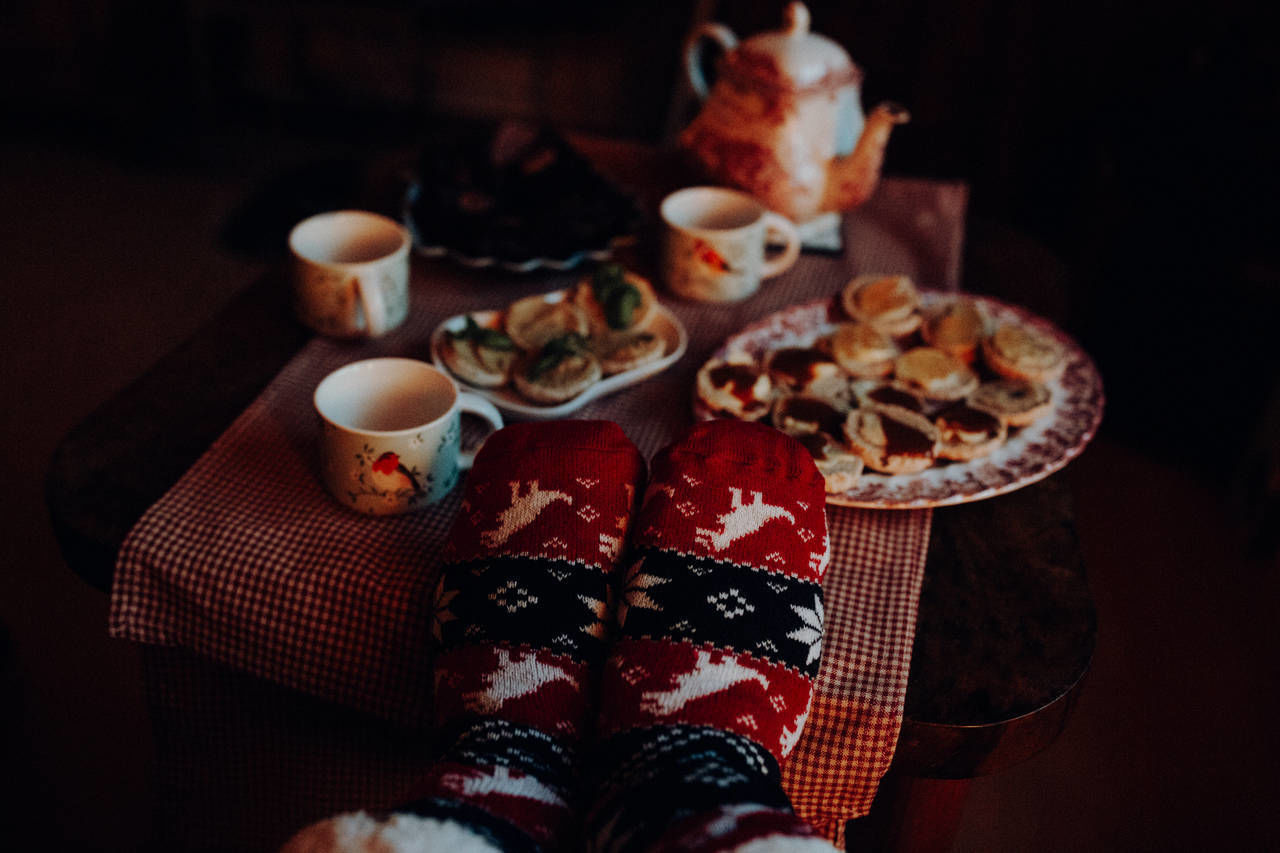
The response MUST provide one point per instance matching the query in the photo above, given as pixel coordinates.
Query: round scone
(888, 393)
(1021, 352)
(616, 300)
(532, 321)
(863, 350)
(561, 370)
(840, 468)
(935, 374)
(888, 302)
(628, 351)
(800, 414)
(739, 388)
(801, 369)
(1015, 401)
(955, 327)
(891, 439)
(966, 432)
(479, 356)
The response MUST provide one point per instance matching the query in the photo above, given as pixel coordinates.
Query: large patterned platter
(1030, 454)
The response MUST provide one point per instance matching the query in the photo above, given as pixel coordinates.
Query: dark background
(1133, 141)
(1122, 154)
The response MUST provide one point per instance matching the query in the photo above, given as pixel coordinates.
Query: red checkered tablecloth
(247, 561)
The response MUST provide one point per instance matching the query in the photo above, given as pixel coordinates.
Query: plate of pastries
(548, 355)
(516, 196)
(908, 397)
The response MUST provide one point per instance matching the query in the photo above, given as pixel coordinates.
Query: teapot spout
(852, 179)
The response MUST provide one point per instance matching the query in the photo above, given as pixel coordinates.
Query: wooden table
(1006, 625)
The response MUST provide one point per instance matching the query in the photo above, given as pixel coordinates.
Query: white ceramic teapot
(784, 119)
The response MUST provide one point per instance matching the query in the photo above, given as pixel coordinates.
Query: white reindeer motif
(513, 677)
(526, 504)
(791, 736)
(501, 782)
(703, 680)
(740, 520)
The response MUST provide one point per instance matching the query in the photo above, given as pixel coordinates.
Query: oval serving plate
(1035, 452)
(665, 325)
(435, 249)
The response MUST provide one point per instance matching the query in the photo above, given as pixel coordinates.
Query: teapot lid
(794, 57)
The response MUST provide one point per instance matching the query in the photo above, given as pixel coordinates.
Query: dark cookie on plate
(966, 432)
(892, 440)
(737, 387)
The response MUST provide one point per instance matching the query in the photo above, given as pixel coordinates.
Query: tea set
(783, 143)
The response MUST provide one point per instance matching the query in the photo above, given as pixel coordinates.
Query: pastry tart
(1019, 352)
(889, 302)
(891, 439)
(955, 327)
(839, 468)
(1015, 401)
(889, 393)
(863, 350)
(803, 414)
(966, 432)
(739, 388)
(935, 374)
(800, 369)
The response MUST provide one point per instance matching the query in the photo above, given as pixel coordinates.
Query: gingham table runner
(246, 560)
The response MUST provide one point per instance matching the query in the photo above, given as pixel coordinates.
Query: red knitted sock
(520, 620)
(720, 615)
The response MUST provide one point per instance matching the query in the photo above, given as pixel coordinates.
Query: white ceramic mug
(391, 434)
(716, 242)
(350, 273)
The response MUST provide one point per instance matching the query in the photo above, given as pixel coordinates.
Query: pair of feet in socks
(655, 724)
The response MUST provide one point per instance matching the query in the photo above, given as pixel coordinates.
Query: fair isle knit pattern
(519, 619)
(709, 682)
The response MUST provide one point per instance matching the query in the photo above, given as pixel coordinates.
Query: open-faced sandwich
(620, 307)
(550, 347)
(559, 370)
(480, 356)
(532, 321)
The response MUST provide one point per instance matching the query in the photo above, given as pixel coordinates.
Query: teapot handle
(718, 33)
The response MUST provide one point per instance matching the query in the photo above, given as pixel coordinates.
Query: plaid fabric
(247, 561)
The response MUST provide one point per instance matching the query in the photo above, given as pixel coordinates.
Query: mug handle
(779, 225)
(375, 307)
(718, 33)
(482, 408)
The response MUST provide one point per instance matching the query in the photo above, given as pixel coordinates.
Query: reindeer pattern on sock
(515, 675)
(741, 519)
(707, 677)
(528, 500)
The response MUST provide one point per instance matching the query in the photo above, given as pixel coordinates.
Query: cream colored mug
(350, 273)
(391, 434)
(715, 246)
